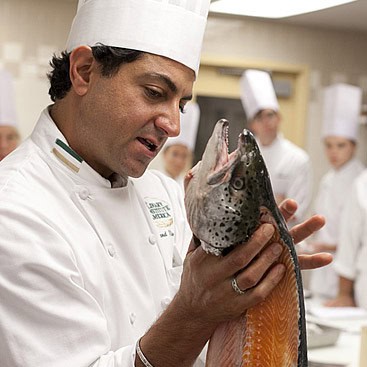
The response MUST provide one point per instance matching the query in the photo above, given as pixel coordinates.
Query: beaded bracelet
(141, 355)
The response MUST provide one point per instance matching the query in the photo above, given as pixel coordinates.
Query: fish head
(225, 192)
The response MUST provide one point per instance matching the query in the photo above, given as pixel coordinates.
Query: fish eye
(238, 183)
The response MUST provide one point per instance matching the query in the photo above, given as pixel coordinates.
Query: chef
(351, 254)
(92, 245)
(9, 135)
(288, 165)
(178, 151)
(341, 110)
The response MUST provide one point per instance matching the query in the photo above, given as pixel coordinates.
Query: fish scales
(227, 199)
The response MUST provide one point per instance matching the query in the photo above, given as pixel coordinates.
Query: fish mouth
(225, 162)
(246, 141)
(222, 157)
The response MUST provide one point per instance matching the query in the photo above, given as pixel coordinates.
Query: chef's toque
(189, 124)
(257, 92)
(341, 110)
(8, 116)
(170, 28)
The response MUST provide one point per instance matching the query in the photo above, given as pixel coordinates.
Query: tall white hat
(257, 92)
(170, 28)
(8, 116)
(189, 124)
(341, 110)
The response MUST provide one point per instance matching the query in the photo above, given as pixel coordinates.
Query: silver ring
(236, 288)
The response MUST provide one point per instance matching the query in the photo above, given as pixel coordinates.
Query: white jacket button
(111, 251)
(152, 239)
(84, 193)
(132, 318)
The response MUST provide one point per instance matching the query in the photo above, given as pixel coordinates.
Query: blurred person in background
(178, 151)
(288, 165)
(351, 254)
(341, 112)
(9, 135)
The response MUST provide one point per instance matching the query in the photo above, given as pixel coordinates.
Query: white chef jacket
(179, 179)
(290, 172)
(330, 202)
(85, 269)
(351, 255)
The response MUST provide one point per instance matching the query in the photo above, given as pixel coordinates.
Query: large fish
(227, 199)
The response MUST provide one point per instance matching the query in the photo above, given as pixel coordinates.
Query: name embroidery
(161, 214)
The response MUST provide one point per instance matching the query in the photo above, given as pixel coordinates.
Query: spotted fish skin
(227, 199)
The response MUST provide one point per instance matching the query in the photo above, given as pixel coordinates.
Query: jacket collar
(52, 142)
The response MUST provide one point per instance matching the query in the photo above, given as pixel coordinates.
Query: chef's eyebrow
(169, 83)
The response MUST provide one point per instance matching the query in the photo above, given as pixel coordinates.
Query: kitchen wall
(31, 31)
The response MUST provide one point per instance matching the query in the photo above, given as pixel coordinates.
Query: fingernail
(268, 229)
(277, 249)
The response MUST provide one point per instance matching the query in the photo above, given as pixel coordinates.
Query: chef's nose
(169, 123)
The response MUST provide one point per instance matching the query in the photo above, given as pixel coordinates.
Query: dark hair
(110, 59)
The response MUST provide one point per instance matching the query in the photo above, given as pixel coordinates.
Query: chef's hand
(345, 297)
(304, 230)
(206, 288)
(341, 301)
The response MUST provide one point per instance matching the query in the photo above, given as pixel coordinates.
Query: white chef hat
(8, 116)
(257, 92)
(341, 110)
(189, 123)
(170, 28)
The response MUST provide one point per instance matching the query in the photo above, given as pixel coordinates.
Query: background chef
(9, 135)
(288, 165)
(351, 254)
(178, 151)
(341, 111)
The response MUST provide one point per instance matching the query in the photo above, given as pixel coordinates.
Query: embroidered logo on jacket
(160, 212)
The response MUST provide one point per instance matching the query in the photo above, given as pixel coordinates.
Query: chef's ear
(82, 64)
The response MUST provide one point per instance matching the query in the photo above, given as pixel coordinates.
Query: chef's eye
(153, 93)
(238, 183)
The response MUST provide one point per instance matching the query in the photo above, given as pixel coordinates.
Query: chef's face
(265, 126)
(339, 150)
(176, 159)
(125, 119)
(9, 140)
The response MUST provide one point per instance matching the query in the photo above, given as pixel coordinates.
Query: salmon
(227, 199)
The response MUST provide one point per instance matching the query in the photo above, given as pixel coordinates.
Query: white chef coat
(290, 172)
(351, 255)
(179, 179)
(85, 269)
(330, 202)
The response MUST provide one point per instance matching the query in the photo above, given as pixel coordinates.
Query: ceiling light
(272, 8)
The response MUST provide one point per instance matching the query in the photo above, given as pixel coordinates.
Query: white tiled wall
(30, 32)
